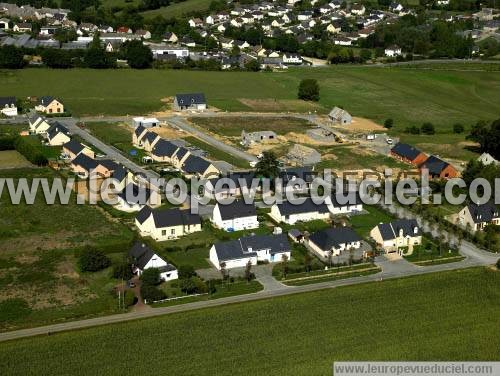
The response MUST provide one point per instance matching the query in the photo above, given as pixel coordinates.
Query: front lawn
(364, 223)
(430, 253)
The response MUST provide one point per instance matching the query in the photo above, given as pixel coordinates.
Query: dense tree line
(488, 137)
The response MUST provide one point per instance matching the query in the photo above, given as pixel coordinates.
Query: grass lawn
(364, 223)
(12, 159)
(232, 126)
(217, 154)
(443, 316)
(409, 96)
(428, 253)
(448, 145)
(176, 9)
(331, 276)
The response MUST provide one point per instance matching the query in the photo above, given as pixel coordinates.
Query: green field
(12, 159)
(178, 9)
(409, 96)
(445, 316)
(217, 154)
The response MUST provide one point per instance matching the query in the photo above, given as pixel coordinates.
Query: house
(297, 179)
(84, 166)
(165, 224)
(340, 116)
(396, 7)
(150, 140)
(134, 197)
(73, 148)
(144, 34)
(170, 37)
(477, 216)
(358, 9)
(408, 154)
(400, 233)
(235, 216)
(296, 235)
(487, 159)
(195, 22)
(144, 258)
(197, 166)
(195, 101)
(299, 211)
(344, 204)
(238, 253)
(124, 30)
(163, 151)
(333, 241)
(223, 188)
(248, 139)
(58, 134)
(392, 51)
(437, 168)
(8, 106)
(38, 124)
(49, 105)
(138, 136)
(334, 27)
(180, 156)
(145, 122)
(291, 58)
(4, 24)
(22, 27)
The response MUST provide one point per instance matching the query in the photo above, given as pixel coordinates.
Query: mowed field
(177, 9)
(409, 96)
(445, 316)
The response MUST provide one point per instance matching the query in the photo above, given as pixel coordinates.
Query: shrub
(129, 298)
(309, 90)
(7, 143)
(498, 264)
(186, 271)
(389, 123)
(150, 277)
(122, 270)
(413, 130)
(428, 128)
(14, 309)
(92, 260)
(31, 151)
(152, 293)
(458, 128)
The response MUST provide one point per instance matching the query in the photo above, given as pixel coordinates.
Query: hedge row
(7, 143)
(31, 151)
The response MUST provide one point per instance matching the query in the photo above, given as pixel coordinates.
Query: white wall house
(401, 233)
(38, 124)
(144, 258)
(8, 106)
(133, 198)
(334, 241)
(290, 213)
(57, 134)
(145, 122)
(237, 253)
(166, 224)
(236, 216)
(338, 205)
(392, 51)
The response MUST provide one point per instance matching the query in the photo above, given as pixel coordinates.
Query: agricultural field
(12, 159)
(39, 280)
(441, 316)
(177, 9)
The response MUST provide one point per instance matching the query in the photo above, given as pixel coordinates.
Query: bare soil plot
(281, 105)
(12, 159)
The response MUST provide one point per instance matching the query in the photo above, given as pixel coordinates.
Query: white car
(389, 141)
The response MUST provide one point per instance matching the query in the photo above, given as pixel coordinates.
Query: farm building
(340, 116)
(145, 122)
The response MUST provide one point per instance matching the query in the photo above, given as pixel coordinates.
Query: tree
(307, 262)
(252, 65)
(248, 271)
(388, 123)
(151, 277)
(284, 265)
(222, 267)
(122, 270)
(92, 260)
(186, 271)
(309, 90)
(498, 264)
(137, 54)
(268, 165)
(11, 57)
(365, 55)
(428, 128)
(129, 298)
(458, 128)
(488, 137)
(152, 293)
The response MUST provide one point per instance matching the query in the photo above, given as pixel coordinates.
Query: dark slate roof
(434, 165)
(74, 146)
(138, 131)
(168, 217)
(249, 245)
(195, 164)
(289, 174)
(7, 101)
(119, 173)
(85, 161)
(308, 206)
(135, 198)
(167, 268)
(334, 237)
(164, 148)
(391, 230)
(109, 164)
(483, 213)
(336, 197)
(56, 128)
(406, 151)
(141, 254)
(181, 152)
(46, 100)
(150, 137)
(188, 99)
(238, 209)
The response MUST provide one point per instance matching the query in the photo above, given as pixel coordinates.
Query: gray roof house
(340, 116)
(255, 137)
(334, 240)
(195, 101)
(143, 258)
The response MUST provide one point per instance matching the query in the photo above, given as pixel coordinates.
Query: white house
(334, 241)
(340, 116)
(145, 122)
(393, 51)
(195, 101)
(166, 224)
(291, 58)
(133, 198)
(477, 217)
(143, 258)
(487, 159)
(236, 216)
(344, 204)
(237, 253)
(38, 124)
(401, 233)
(291, 213)
(358, 9)
(8, 106)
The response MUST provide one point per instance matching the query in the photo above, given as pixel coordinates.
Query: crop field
(444, 316)
(409, 96)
